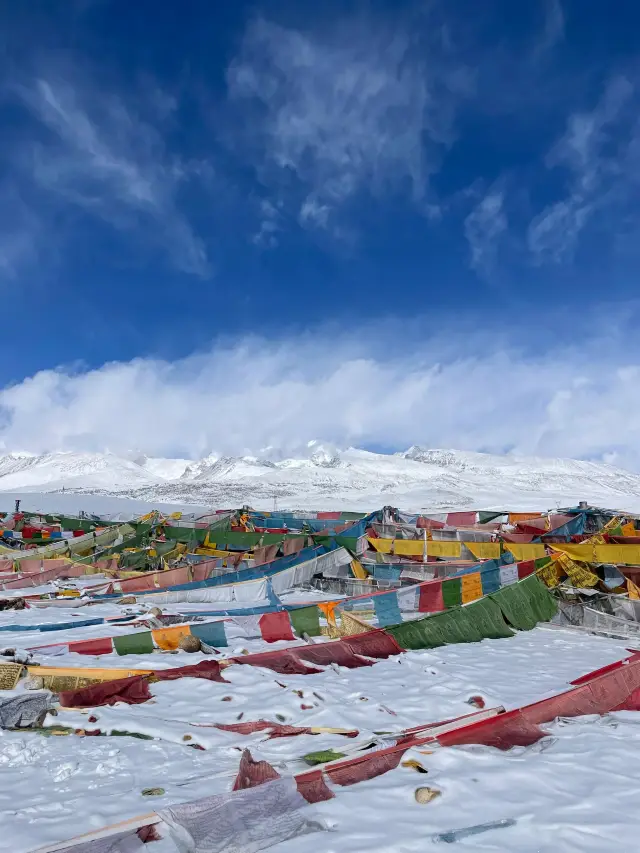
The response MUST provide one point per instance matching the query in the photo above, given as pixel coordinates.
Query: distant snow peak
(323, 454)
(195, 469)
(445, 458)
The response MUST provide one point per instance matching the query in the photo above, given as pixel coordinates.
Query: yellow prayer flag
(588, 552)
(581, 577)
(443, 548)
(408, 547)
(415, 547)
(529, 551)
(471, 587)
(169, 638)
(584, 551)
(626, 554)
(632, 589)
(484, 550)
(548, 573)
(382, 546)
(515, 517)
(358, 571)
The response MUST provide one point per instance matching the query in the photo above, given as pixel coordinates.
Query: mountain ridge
(322, 476)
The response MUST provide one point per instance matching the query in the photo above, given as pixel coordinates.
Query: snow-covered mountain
(321, 476)
(53, 471)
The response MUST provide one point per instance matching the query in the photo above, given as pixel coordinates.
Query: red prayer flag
(99, 646)
(526, 568)
(276, 626)
(431, 600)
(252, 773)
(461, 519)
(131, 691)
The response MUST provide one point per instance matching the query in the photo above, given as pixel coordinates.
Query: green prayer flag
(306, 620)
(134, 644)
(452, 592)
(348, 542)
(484, 516)
(488, 619)
(460, 628)
(526, 603)
(425, 633)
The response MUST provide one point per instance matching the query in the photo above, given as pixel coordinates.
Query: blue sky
(207, 204)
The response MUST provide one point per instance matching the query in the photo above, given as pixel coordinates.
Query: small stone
(187, 737)
(33, 682)
(226, 699)
(426, 795)
(155, 611)
(153, 792)
(128, 599)
(189, 643)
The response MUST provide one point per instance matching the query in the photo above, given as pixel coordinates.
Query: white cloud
(599, 150)
(265, 236)
(354, 110)
(459, 389)
(111, 159)
(553, 30)
(483, 228)
(314, 212)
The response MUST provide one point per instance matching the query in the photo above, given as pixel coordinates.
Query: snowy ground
(572, 792)
(107, 506)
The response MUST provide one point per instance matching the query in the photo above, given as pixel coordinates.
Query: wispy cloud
(267, 233)
(483, 228)
(457, 389)
(96, 152)
(553, 30)
(361, 109)
(599, 150)
(21, 235)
